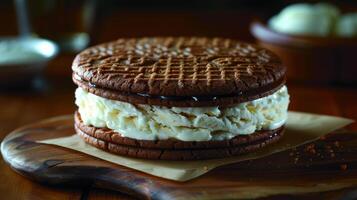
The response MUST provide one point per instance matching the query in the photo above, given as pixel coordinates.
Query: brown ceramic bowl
(311, 59)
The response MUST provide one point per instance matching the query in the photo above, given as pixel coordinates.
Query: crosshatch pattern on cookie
(182, 63)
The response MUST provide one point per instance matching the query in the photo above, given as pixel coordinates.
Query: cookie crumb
(310, 149)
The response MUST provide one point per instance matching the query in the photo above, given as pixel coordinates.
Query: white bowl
(23, 59)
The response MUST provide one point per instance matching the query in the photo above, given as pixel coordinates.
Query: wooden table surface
(20, 107)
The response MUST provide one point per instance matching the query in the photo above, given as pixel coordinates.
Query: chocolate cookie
(179, 98)
(181, 72)
(111, 141)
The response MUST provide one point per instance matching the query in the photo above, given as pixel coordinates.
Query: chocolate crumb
(310, 149)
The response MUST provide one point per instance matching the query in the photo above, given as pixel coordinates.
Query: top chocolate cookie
(179, 71)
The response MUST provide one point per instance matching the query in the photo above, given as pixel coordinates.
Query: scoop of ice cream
(328, 9)
(306, 19)
(347, 25)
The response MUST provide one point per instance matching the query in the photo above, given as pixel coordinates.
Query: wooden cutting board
(327, 164)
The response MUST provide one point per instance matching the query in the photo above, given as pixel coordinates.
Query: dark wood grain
(331, 164)
(14, 186)
(103, 194)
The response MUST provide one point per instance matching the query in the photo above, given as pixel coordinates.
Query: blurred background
(65, 27)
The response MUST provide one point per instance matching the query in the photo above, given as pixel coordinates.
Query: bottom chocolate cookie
(111, 141)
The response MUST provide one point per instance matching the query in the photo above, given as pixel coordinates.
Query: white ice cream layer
(148, 122)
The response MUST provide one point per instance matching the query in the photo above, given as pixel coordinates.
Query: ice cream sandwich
(179, 98)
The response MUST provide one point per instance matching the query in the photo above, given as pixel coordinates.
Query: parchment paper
(300, 128)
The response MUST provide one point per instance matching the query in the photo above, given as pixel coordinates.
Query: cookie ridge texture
(179, 66)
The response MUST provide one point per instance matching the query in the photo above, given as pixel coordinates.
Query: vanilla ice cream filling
(149, 122)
